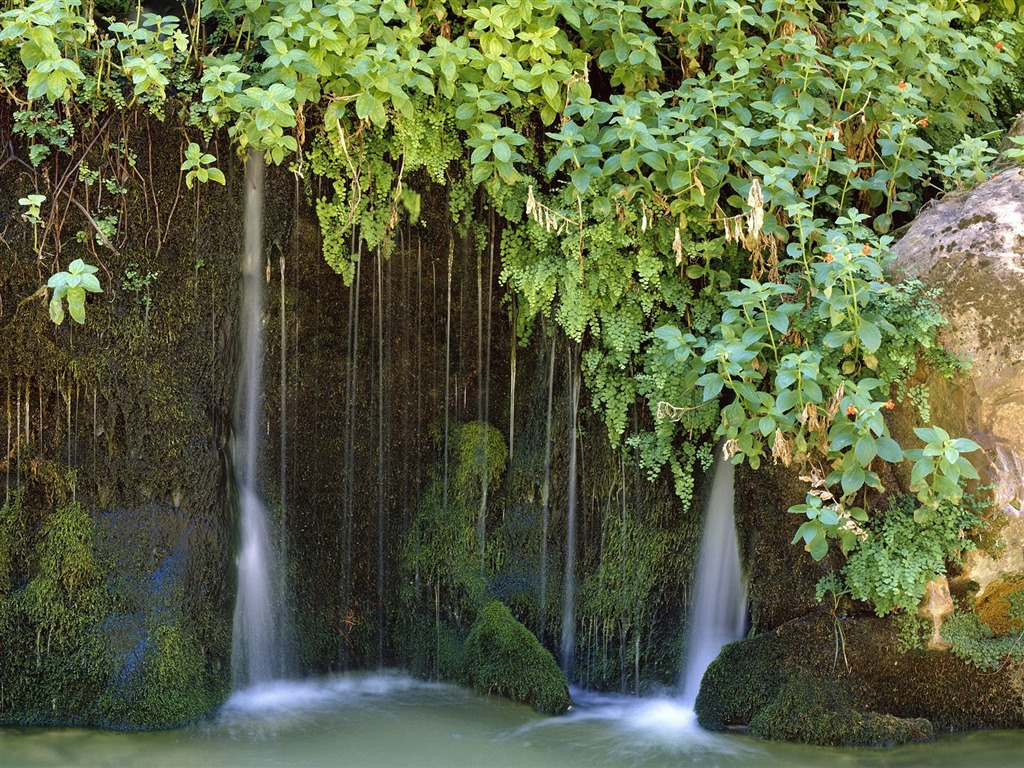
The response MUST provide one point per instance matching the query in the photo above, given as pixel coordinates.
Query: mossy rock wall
(126, 420)
(808, 673)
(358, 384)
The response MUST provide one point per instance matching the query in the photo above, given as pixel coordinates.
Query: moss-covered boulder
(802, 683)
(502, 656)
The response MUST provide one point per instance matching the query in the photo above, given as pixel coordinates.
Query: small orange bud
(828, 258)
(999, 45)
(866, 250)
(889, 405)
(923, 122)
(901, 85)
(851, 411)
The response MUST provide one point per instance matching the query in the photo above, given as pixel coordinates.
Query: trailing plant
(199, 166)
(831, 590)
(972, 641)
(898, 555)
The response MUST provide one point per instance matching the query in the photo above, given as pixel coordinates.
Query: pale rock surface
(971, 246)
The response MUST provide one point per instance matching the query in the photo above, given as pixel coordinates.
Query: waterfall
(257, 653)
(542, 601)
(568, 645)
(719, 612)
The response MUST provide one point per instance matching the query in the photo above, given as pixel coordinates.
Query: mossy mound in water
(812, 711)
(790, 684)
(502, 656)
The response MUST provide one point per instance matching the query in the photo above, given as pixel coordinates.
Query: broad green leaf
(869, 336)
(889, 450)
(865, 450)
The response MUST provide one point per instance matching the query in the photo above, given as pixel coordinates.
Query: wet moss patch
(503, 657)
(786, 684)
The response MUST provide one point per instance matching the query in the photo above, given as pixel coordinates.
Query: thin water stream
(259, 634)
(719, 611)
(390, 721)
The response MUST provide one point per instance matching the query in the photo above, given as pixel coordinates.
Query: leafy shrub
(900, 556)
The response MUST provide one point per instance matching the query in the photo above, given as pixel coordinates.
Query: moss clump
(750, 683)
(502, 656)
(996, 607)
(815, 711)
(972, 640)
(173, 686)
(52, 653)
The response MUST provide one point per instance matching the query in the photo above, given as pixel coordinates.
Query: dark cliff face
(115, 476)
(117, 469)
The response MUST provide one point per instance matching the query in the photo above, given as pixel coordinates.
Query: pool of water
(390, 721)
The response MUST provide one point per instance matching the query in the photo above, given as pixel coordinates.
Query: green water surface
(390, 721)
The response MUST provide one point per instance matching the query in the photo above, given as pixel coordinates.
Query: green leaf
(818, 546)
(828, 516)
(865, 450)
(869, 336)
(57, 309)
(967, 469)
(963, 445)
(91, 283)
(502, 151)
(853, 479)
(842, 440)
(889, 450)
(482, 172)
(580, 180)
(76, 304)
(836, 338)
(807, 531)
(922, 469)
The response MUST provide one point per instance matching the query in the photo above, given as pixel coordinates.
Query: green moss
(173, 688)
(739, 683)
(52, 654)
(814, 711)
(502, 656)
(972, 640)
(13, 536)
(482, 453)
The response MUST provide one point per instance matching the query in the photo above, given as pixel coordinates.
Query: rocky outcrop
(971, 247)
(794, 684)
(835, 673)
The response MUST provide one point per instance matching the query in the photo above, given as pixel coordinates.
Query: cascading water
(257, 653)
(719, 612)
(568, 644)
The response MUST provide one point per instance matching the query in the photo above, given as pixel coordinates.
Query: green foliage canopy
(702, 190)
